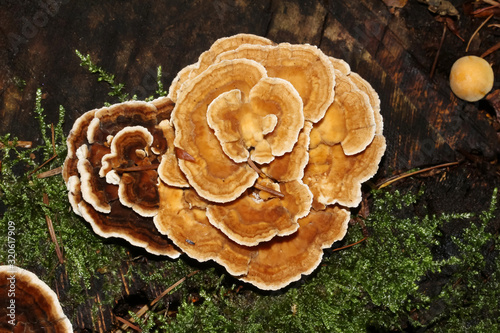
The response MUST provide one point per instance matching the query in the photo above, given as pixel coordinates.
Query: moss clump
(472, 298)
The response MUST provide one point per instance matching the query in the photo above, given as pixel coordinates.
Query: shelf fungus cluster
(252, 160)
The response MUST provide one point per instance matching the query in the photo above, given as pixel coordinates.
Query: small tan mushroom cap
(267, 121)
(471, 78)
(213, 174)
(307, 68)
(207, 58)
(250, 220)
(36, 306)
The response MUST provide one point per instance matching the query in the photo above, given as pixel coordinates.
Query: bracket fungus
(103, 187)
(28, 304)
(251, 161)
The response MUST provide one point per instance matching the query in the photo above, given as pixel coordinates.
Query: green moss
(20, 83)
(476, 281)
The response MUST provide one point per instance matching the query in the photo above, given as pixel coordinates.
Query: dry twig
(477, 30)
(138, 168)
(269, 190)
(433, 69)
(490, 50)
(128, 324)
(143, 310)
(20, 144)
(347, 246)
(391, 180)
(492, 2)
(253, 166)
(50, 173)
(51, 231)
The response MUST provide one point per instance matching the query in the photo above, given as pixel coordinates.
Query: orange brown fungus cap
(169, 170)
(291, 165)
(349, 120)
(36, 305)
(207, 58)
(252, 168)
(283, 260)
(333, 175)
(307, 68)
(251, 219)
(213, 174)
(267, 122)
(270, 265)
(137, 189)
(96, 199)
(188, 227)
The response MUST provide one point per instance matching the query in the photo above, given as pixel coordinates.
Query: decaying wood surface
(424, 123)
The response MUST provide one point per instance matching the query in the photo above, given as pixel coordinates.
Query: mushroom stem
(137, 168)
(269, 190)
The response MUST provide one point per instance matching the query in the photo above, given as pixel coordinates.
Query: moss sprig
(160, 90)
(116, 88)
